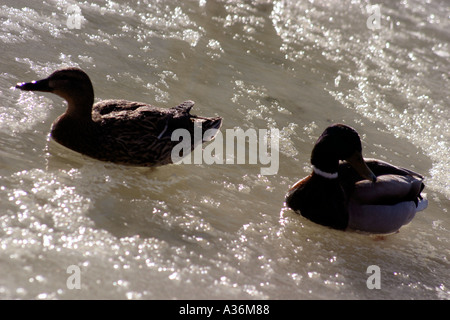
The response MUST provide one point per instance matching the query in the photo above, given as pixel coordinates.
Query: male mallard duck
(366, 195)
(119, 131)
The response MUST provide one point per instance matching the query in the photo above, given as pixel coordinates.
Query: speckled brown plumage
(119, 131)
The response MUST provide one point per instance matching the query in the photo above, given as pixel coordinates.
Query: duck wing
(136, 133)
(387, 204)
(380, 167)
(122, 117)
(389, 189)
(110, 108)
(140, 134)
(394, 184)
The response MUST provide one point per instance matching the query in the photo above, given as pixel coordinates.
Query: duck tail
(422, 203)
(185, 107)
(211, 125)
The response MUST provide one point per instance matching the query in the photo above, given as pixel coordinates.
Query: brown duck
(120, 131)
(369, 195)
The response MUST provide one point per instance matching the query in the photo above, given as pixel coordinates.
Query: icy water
(220, 231)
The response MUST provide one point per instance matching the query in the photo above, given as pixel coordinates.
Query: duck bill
(39, 85)
(357, 162)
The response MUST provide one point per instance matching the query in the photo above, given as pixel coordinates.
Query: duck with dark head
(346, 191)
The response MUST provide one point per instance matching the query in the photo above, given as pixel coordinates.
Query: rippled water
(221, 231)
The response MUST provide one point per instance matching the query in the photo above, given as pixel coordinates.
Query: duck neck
(328, 175)
(325, 163)
(79, 106)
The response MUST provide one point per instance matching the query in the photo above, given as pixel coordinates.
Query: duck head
(71, 84)
(339, 142)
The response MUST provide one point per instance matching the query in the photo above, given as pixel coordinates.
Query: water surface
(221, 231)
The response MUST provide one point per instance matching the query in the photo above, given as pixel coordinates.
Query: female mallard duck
(366, 195)
(119, 131)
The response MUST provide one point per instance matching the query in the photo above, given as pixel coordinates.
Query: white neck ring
(324, 174)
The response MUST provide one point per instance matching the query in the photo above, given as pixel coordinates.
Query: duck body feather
(320, 200)
(129, 133)
(352, 202)
(389, 203)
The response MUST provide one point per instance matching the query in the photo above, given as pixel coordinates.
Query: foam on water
(221, 231)
(388, 82)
